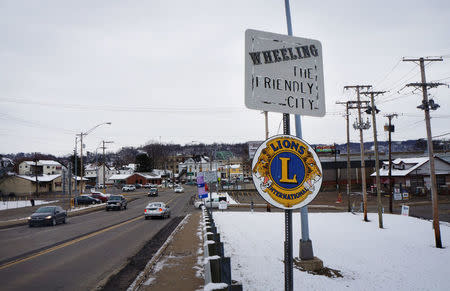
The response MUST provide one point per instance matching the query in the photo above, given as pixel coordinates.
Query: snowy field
(401, 256)
(22, 203)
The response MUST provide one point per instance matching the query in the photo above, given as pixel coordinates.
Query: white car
(199, 203)
(127, 188)
(156, 209)
(179, 190)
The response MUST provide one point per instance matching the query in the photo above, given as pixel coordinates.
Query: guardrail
(217, 266)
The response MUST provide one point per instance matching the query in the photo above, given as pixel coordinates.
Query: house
(173, 162)
(135, 178)
(41, 167)
(26, 185)
(95, 173)
(194, 165)
(413, 174)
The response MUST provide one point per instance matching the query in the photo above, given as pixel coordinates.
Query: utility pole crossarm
(358, 86)
(430, 85)
(424, 59)
(375, 93)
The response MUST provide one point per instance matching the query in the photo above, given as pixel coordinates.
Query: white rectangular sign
(210, 176)
(223, 205)
(253, 147)
(405, 210)
(283, 74)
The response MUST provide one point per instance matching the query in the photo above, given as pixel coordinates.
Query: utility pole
(36, 174)
(104, 161)
(75, 162)
(70, 185)
(390, 129)
(373, 111)
(350, 105)
(349, 178)
(426, 106)
(266, 117)
(336, 169)
(360, 125)
(81, 163)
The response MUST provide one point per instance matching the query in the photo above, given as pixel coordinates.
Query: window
(440, 180)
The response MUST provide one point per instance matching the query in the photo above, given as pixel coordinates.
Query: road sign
(283, 74)
(252, 147)
(210, 176)
(405, 210)
(287, 172)
(201, 187)
(223, 204)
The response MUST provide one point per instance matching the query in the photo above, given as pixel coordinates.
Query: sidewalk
(180, 265)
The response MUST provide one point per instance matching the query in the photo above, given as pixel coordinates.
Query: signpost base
(306, 250)
(315, 264)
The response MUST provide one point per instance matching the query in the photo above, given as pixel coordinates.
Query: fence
(217, 266)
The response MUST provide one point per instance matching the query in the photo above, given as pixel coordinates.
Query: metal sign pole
(288, 258)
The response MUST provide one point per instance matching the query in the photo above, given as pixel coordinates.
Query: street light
(81, 150)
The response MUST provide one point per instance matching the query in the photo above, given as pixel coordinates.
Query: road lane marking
(66, 244)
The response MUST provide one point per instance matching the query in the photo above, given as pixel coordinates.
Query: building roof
(43, 178)
(416, 162)
(120, 176)
(43, 163)
(126, 176)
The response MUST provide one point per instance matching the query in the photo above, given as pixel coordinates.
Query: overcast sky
(173, 71)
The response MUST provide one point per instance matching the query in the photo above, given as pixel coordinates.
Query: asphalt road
(84, 252)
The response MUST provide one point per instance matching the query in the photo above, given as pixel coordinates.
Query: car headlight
(48, 217)
(29, 217)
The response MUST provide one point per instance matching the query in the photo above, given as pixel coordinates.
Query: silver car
(156, 209)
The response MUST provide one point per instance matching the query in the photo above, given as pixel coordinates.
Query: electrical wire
(112, 108)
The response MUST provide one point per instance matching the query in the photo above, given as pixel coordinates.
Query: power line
(115, 108)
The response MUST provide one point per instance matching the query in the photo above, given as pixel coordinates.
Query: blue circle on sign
(287, 170)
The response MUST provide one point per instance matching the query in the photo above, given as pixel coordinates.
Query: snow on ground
(22, 203)
(401, 256)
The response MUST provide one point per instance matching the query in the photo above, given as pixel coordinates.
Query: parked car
(156, 209)
(118, 202)
(127, 188)
(100, 196)
(179, 190)
(153, 192)
(138, 186)
(148, 185)
(89, 187)
(48, 215)
(100, 186)
(199, 203)
(86, 200)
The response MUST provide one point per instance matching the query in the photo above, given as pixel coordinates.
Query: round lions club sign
(287, 172)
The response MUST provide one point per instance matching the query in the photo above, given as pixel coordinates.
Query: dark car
(153, 192)
(118, 202)
(48, 215)
(86, 200)
(100, 196)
